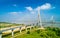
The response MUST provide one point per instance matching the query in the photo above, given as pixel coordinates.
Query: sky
(26, 11)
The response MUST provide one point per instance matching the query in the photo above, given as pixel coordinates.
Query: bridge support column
(20, 29)
(12, 33)
(26, 28)
(0, 34)
(30, 28)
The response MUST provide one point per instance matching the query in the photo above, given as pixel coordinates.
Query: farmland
(6, 24)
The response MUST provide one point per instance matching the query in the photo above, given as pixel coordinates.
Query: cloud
(46, 6)
(29, 8)
(28, 18)
(42, 7)
(13, 13)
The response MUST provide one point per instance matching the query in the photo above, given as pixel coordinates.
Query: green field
(37, 33)
(6, 24)
(52, 33)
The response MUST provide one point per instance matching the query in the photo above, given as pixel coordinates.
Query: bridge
(12, 30)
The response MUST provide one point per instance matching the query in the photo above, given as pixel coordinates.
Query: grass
(41, 34)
